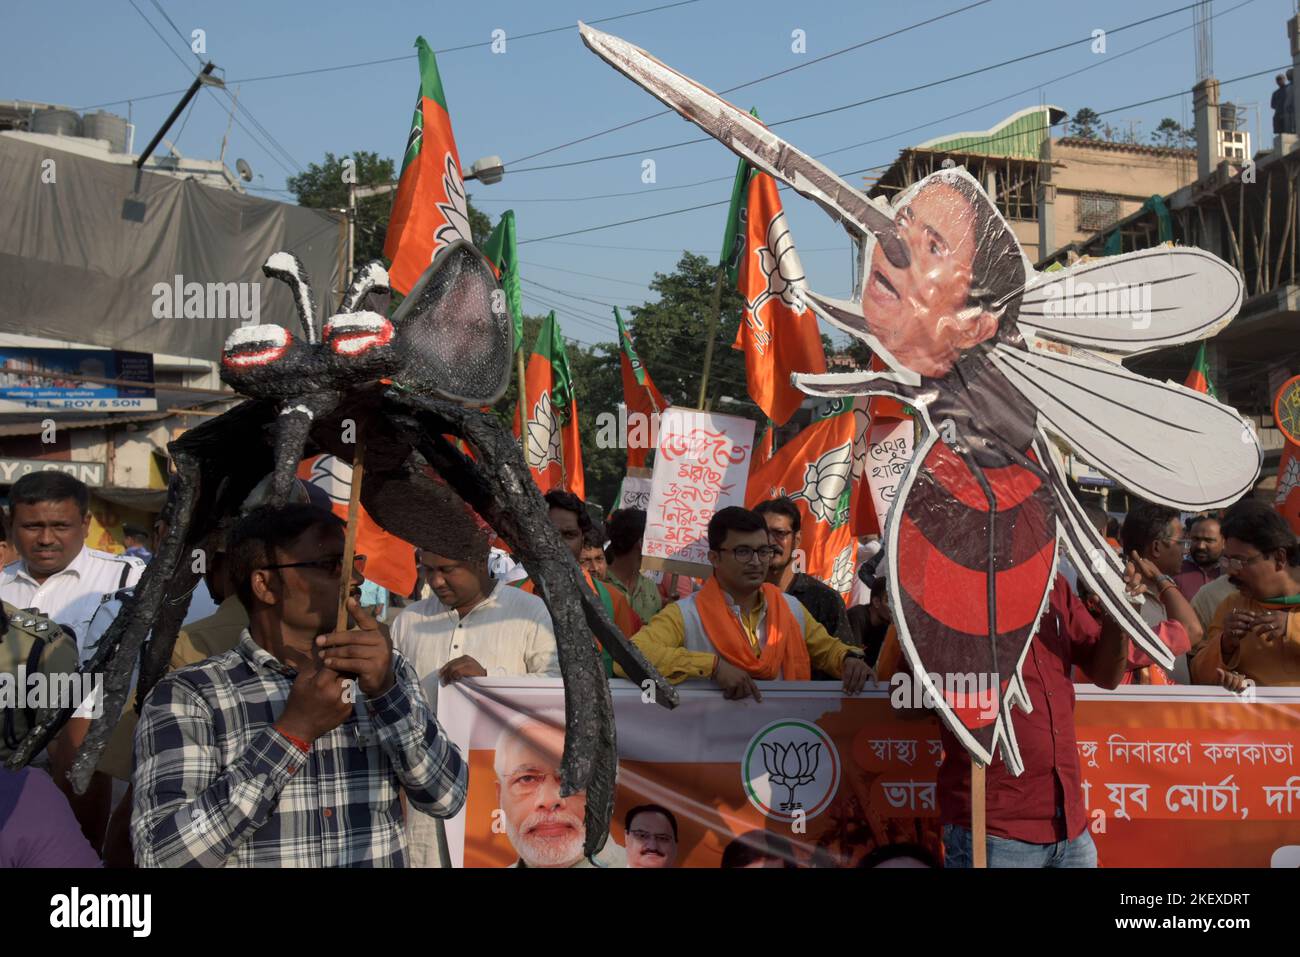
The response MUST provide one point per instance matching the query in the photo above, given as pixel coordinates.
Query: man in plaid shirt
(265, 756)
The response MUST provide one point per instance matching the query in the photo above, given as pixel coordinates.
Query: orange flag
(762, 451)
(431, 209)
(390, 561)
(1286, 413)
(878, 412)
(639, 395)
(814, 469)
(779, 334)
(552, 444)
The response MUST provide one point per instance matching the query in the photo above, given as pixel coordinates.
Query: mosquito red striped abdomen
(970, 530)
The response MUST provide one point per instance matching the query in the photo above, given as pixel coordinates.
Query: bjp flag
(431, 209)
(639, 393)
(779, 334)
(763, 450)
(1199, 376)
(552, 446)
(882, 446)
(1286, 413)
(814, 470)
(390, 561)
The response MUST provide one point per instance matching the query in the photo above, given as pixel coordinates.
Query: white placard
(701, 465)
(890, 443)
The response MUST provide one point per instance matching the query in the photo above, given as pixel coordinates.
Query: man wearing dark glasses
(293, 749)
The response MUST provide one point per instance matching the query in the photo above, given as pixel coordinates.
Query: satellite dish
(245, 171)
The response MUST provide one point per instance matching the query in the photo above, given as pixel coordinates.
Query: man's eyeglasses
(645, 837)
(744, 554)
(332, 565)
(1231, 564)
(779, 535)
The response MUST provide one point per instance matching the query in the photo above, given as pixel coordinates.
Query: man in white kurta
(471, 627)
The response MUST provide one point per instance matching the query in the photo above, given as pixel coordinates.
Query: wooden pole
(711, 333)
(522, 373)
(350, 539)
(978, 833)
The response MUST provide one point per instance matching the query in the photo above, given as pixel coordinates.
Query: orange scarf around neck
(785, 654)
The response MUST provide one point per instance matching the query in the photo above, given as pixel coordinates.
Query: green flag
(733, 242)
(500, 251)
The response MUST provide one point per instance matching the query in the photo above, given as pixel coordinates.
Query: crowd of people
(278, 740)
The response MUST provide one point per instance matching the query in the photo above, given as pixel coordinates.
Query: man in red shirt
(1037, 819)
(1201, 566)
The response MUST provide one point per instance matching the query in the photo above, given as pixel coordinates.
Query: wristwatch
(1162, 581)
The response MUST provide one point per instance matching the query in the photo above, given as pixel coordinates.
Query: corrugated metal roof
(74, 420)
(1020, 134)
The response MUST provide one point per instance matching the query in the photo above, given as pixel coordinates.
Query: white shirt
(509, 633)
(71, 596)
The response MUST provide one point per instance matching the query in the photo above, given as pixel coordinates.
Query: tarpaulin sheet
(80, 256)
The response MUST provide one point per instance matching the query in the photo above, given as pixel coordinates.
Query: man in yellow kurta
(738, 629)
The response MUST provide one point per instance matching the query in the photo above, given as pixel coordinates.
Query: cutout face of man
(921, 313)
(545, 829)
(650, 842)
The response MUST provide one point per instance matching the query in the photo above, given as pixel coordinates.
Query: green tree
(1168, 134)
(1084, 124)
(325, 186)
(669, 334)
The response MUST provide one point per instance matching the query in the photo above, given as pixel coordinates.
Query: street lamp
(205, 78)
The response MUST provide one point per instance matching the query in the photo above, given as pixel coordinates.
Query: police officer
(57, 574)
(29, 644)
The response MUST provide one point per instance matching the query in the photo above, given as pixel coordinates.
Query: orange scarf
(784, 655)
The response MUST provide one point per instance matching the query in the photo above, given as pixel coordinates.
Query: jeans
(1005, 852)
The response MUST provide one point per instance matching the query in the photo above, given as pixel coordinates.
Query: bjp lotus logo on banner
(824, 483)
(791, 770)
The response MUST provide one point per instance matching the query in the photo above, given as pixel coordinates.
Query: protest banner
(635, 490)
(1172, 776)
(889, 447)
(701, 465)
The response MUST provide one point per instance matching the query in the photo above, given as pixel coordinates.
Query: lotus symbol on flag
(824, 482)
(780, 263)
(842, 571)
(791, 765)
(456, 209)
(1288, 480)
(543, 434)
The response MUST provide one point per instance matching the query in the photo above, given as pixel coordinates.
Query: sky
(540, 92)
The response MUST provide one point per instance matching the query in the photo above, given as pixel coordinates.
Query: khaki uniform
(35, 644)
